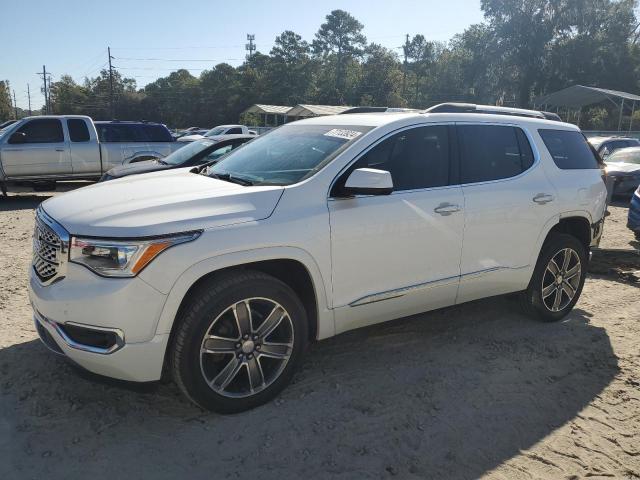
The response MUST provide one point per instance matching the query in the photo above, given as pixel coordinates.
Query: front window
(199, 148)
(288, 154)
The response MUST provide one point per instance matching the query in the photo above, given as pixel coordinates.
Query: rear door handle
(543, 198)
(446, 209)
(59, 149)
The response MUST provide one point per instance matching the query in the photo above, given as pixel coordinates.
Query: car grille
(47, 247)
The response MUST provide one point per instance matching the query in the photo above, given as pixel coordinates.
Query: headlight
(114, 258)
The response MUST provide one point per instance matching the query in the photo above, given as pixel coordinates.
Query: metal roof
(316, 110)
(579, 95)
(269, 109)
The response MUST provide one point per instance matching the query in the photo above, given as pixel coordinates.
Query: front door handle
(59, 149)
(446, 209)
(543, 198)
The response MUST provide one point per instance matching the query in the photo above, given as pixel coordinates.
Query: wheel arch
(292, 266)
(577, 224)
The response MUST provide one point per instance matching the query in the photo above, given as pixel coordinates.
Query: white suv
(223, 275)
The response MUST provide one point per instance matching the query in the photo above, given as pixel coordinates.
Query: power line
(176, 59)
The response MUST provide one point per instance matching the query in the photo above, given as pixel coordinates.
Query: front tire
(238, 341)
(557, 280)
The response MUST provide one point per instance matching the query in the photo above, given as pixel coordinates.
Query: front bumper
(128, 310)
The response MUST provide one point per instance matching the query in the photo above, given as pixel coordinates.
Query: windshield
(287, 154)
(626, 156)
(187, 152)
(215, 131)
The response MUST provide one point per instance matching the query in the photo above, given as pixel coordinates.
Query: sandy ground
(473, 391)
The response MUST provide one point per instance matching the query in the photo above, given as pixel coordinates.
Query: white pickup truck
(35, 152)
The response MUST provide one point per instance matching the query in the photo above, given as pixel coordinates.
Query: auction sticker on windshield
(343, 133)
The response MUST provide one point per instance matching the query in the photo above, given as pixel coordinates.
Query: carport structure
(270, 115)
(578, 96)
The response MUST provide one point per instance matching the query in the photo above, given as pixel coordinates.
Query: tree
(421, 54)
(291, 70)
(340, 39)
(6, 109)
(67, 97)
(381, 79)
(524, 30)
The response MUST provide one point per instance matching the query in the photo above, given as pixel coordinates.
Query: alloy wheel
(246, 347)
(561, 279)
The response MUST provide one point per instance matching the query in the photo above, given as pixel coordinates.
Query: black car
(207, 150)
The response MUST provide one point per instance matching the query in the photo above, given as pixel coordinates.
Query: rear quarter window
(569, 149)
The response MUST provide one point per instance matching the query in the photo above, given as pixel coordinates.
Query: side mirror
(18, 137)
(368, 181)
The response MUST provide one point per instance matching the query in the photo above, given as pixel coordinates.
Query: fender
(552, 222)
(326, 324)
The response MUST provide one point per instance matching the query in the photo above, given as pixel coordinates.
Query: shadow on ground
(21, 202)
(449, 394)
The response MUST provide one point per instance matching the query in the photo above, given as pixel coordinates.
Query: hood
(160, 203)
(138, 167)
(622, 167)
(190, 138)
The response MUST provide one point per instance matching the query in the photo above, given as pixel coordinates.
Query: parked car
(4, 125)
(192, 131)
(633, 221)
(38, 151)
(605, 146)
(623, 166)
(318, 227)
(218, 131)
(207, 150)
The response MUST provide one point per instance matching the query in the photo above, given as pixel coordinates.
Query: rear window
(493, 152)
(156, 133)
(78, 131)
(132, 132)
(569, 149)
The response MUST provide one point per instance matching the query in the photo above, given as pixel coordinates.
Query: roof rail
(378, 110)
(490, 109)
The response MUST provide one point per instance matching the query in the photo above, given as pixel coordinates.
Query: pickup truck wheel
(557, 280)
(238, 341)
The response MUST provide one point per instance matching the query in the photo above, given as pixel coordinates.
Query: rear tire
(557, 280)
(226, 356)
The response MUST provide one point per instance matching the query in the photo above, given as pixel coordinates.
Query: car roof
(125, 122)
(403, 118)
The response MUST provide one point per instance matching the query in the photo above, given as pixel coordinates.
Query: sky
(149, 39)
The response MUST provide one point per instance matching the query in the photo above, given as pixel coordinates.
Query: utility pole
(250, 47)
(404, 70)
(15, 105)
(110, 82)
(29, 97)
(44, 90)
(49, 91)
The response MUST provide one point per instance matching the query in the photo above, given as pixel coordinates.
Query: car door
(40, 151)
(398, 254)
(508, 201)
(83, 149)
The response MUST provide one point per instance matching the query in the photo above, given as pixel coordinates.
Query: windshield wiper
(227, 177)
